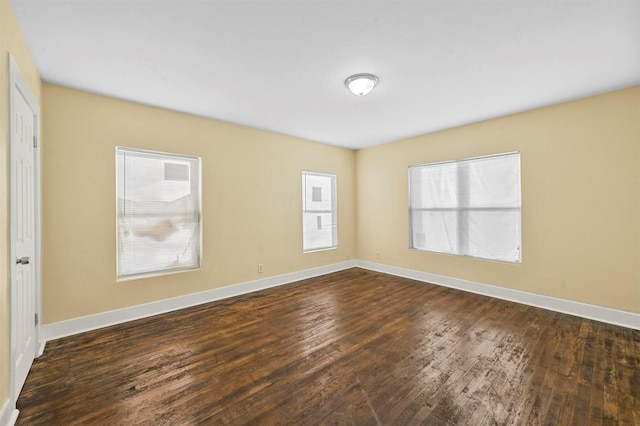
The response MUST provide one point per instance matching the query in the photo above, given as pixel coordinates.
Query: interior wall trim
(8, 414)
(584, 310)
(105, 319)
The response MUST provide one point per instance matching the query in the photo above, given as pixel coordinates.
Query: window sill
(320, 249)
(156, 274)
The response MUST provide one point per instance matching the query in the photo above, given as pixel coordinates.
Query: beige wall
(11, 41)
(252, 201)
(580, 191)
(580, 199)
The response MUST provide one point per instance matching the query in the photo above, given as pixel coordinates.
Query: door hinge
(35, 141)
(37, 319)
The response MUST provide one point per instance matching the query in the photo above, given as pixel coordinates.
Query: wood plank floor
(354, 347)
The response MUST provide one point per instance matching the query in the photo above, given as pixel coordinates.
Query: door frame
(17, 80)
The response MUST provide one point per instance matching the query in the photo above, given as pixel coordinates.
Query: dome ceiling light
(361, 84)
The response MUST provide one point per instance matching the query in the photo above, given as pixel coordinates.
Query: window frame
(333, 211)
(165, 271)
(462, 225)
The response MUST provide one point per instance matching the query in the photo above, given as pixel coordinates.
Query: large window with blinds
(319, 215)
(468, 207)
(158, 213)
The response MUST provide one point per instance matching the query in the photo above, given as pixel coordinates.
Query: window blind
(158, 212)
(319, 218)
(469, 207)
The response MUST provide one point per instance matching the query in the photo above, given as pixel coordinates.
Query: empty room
(320, 212)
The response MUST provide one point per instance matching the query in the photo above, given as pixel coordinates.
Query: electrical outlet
(260, 268)
(377, 255)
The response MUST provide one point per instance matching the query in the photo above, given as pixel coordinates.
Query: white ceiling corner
(280, 65)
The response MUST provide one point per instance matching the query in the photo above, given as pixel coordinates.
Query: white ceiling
(280, 65)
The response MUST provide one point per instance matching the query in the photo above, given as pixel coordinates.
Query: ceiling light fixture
(361, 84)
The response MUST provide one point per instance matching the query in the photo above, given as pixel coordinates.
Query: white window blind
(319, 218)
(469, 207)
(158, 212)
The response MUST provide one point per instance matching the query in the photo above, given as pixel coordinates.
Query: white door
(23, 203)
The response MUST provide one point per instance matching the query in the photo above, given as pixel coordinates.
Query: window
(158, 212)
(319, 219)
(468, 207)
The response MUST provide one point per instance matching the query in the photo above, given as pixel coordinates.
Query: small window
(469, 207)
(319, 218)
(158, 213)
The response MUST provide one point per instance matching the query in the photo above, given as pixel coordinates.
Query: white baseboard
(105, 319)
(8, 414)
(119, 316)
(584, 310)
(41, 346)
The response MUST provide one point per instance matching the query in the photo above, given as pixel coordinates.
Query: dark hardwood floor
(354, 347)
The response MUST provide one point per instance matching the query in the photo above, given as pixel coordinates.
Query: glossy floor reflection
(353, 347)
